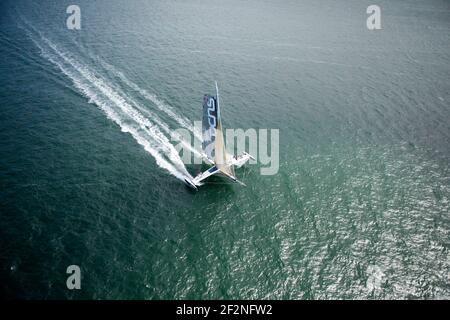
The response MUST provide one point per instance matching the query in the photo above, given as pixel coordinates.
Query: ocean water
(89, 176)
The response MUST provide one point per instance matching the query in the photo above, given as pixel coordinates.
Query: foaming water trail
(167, 130)
(164, 107)
(162, 125)
(115, 106)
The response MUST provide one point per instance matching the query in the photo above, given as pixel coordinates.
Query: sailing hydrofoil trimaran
(213, 145)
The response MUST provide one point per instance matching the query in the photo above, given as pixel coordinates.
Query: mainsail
(213, 141)
(209, 125)
(213, 145)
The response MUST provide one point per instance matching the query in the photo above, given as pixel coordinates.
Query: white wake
(144, 126)
(164, 107)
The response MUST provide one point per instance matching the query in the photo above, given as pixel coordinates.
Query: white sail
(213, 144)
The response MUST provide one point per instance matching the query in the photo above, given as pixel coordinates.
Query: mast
(217, 98)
